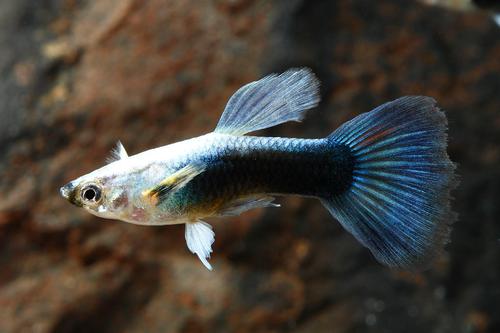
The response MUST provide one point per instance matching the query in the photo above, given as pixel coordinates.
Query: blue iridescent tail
(398, 205)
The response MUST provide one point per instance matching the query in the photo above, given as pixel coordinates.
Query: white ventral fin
(199, 240)
(118, 153)
(239, 206)
(273, 100)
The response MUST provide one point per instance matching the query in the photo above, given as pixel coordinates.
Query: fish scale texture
(242, 165)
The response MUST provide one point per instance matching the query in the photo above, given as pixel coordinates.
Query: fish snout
(67, 190)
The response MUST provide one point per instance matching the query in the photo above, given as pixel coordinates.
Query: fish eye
(91, 193)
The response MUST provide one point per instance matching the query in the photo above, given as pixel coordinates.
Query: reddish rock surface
(79, 75)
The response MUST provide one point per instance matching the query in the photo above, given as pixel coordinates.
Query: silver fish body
(234, 167)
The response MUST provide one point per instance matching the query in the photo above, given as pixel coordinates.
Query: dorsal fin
(117, 153)
(273, 100)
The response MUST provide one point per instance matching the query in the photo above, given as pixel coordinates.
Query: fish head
(102, 193)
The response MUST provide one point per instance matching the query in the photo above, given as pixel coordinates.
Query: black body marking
(250, 165)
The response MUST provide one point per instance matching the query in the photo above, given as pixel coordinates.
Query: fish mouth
(68, 192)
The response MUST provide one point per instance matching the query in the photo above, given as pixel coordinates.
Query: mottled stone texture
(79, 75)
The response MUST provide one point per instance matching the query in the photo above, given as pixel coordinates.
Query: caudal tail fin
(398, 205)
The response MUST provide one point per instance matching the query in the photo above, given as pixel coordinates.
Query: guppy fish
(384, 175)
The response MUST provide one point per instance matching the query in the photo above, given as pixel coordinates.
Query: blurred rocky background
(77, 75)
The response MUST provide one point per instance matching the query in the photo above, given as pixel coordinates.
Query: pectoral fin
(118, 153)
(173, 183)
(199, 240)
